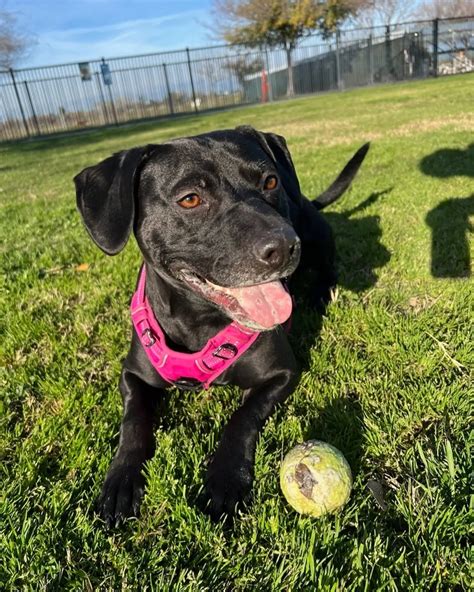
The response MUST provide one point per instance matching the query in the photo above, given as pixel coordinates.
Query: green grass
(387, 379)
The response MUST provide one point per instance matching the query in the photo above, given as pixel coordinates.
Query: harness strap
(192, 370)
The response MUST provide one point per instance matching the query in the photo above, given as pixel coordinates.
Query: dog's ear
(275, 146)
(105, 196)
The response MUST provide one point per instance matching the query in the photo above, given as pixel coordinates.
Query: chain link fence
(51, 99)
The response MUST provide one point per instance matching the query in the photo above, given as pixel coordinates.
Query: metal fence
(46, 100)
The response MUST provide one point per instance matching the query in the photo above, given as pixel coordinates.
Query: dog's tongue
(266, 305)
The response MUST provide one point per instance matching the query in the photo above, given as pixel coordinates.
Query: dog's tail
(343, 180)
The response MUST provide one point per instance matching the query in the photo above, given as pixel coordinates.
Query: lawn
(387, 375)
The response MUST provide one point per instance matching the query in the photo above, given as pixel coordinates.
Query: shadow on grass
(359, 247)
(340, 423)
(449, 162)
(450, 229)
(359, 253)
(449, 221)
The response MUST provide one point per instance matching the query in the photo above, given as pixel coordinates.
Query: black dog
(220, 214)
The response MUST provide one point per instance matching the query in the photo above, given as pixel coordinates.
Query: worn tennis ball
(315, 478)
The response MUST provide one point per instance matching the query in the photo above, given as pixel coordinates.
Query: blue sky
(74, 31)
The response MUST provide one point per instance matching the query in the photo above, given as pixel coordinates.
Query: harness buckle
(148, 333)
(226, 351)
(188, 384)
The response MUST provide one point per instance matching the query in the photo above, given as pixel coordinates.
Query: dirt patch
(464, 122)
(332, 139)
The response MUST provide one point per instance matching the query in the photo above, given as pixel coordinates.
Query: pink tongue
(265, 304)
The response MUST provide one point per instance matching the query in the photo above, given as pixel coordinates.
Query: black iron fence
(51, 99)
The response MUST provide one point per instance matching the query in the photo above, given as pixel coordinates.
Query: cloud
(134, 24)
(129, 37)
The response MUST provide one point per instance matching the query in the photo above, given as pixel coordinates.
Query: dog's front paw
(121, 495)
(227, 484)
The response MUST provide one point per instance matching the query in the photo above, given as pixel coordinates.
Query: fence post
(192, 81)
(388, 52)
(168, 90)
(113, 105)
(32, 108)
(111, 98)
(269, 78)
(371, 59)
(435, 46)
(104, 106)
(23, 116)
(338, 62)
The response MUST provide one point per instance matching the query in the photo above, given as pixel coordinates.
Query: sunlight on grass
(387, 378)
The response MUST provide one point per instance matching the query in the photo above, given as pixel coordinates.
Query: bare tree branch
(13, 43)
(384, 12)
(431, 9)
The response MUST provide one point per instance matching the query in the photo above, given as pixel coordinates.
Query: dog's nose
(277, 251)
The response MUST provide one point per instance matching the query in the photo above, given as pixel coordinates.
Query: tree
(384, 12)
(13, 44)
(431, 9)
(279, 23)
(242, 67)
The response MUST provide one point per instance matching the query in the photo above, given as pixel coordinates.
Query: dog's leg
(124, 484)
(230, 472)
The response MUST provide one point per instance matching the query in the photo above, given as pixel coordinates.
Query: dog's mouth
(261, 306)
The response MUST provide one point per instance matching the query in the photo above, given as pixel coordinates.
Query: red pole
(264, 88)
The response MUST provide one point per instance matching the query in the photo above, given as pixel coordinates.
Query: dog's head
(211, 212)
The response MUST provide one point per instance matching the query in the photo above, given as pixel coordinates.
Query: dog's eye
(190, 201)
(271, 183)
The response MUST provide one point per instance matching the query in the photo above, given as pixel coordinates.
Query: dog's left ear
(276, 148)
(106, 197)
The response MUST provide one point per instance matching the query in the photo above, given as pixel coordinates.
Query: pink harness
(189, 371)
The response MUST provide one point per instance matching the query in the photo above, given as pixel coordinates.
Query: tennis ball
(315, 478)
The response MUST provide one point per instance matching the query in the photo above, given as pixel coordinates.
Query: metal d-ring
(229, 347)
(151, 338)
